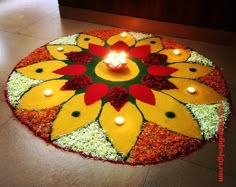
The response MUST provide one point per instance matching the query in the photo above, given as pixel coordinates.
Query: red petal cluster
(40, 54)
(103, 34)
(156, 144)
(77, 82)
(117, 96)
(157, 82)
(119, 46)
(216, 81)
(154, 59)
(39, 122)
(79, 57)
(170, 44)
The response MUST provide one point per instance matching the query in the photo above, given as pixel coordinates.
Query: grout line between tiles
(146, 176)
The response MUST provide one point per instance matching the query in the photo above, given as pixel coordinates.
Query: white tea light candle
(119, 120)
(176, 52)
(123, 34)
(47, 92)
(60, 49)
(191, 90)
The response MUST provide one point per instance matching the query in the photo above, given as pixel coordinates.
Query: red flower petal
(98, 50)
(142, 93)
(120, 46)
(95, 92)
(161, 70)
(75, 69)
(140, 51)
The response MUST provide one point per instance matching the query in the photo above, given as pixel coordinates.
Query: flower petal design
(129, 40)
(140, 51)
(192, 71)
(76, 113)
(130, 71)
(155, 44)
(123, 137)
(171, 44)
(170, 114)
(35, 99)
(74, 69)
(42, 70)
(120, 46)
(60, 55)
(161, 70)
(98, 50)
(183, 56)
(95, 92)
(84, 40)
(203, 95)
(142, 93)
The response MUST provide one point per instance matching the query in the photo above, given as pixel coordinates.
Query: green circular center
(86, 39)
(75, 114)
(192, 69)
(39, 70)
(153, 42)
(170, 114)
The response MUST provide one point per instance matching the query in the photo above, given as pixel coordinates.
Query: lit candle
(119, 120)
(47, 92)
(115, 60)
(60, 49)
(123, 34)
(191, 90)
(176, 51)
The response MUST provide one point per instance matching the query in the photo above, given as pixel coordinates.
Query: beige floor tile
(53, 27)
(29, 161)
(15, 15)
(179, 173)
(5, 113)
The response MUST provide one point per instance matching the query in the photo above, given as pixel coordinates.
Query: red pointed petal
(142, 93)
(98, 50)
(140, 51)
(75, 69)
(120, 46)
(161, 70)
(95, 92)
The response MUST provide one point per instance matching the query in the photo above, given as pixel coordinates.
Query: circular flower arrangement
(167, 96)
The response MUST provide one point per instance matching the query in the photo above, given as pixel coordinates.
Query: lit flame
(116, 60)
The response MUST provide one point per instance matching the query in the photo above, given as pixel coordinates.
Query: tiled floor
(27, 161)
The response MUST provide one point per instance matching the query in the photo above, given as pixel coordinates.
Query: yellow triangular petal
(128, 39)
(203, 94)
(155, 44)
(35, 98)
(84, 40)
(183, 56)
(192, 71)
(127, 73)
(123, 137)
(73, 115)
(170, 114)
(60, 55)
(42, 70)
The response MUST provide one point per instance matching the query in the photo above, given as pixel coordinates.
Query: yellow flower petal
(127, 73)
(35, 99)
(155, 44)
(193, 71)
(84, 40)
(124, 136)
(183, 56)
(60, 54)
(203, 95)
(128, 39)
(73, 115)
(180, 120)
(42, 70)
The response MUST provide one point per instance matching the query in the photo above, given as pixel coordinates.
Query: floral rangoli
(161, 104)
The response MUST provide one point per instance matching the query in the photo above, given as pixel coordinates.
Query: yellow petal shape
(123, 136)
(155, 44)
(73, 115)
(203, 94)
(193, 71)
(183, 56)
(128, 39)
(127, 73)
(35, 99)
(42, 70)
(84, 40)
(180, 120)
(60, 54)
